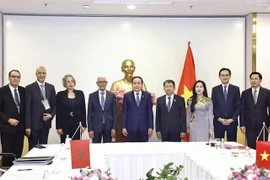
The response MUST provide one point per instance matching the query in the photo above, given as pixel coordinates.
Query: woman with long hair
(200, 113)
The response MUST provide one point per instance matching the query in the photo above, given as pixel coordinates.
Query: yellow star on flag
(265, 156)
(187, 94)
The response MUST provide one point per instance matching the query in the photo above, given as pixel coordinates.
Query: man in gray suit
(102, 113)
(40, 109)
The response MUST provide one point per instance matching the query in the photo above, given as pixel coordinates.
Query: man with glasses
(12, 116)
(102, 113)
(226, 106)
(40, 109)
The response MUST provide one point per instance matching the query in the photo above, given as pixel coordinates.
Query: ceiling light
(258, 2)
(131, 7)
(86, 7)
(132, 2)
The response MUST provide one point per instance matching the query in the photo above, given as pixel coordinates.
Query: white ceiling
(179, 8)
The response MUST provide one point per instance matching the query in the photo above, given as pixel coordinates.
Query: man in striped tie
(12, 117)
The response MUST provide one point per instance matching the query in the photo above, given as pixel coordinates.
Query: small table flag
(80, 153)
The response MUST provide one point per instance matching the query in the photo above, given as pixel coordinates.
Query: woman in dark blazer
(70, 109)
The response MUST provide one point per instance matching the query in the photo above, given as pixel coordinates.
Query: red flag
(263, 154)
(188, 79)
(80, 153)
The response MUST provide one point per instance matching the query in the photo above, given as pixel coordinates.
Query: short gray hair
(64, 79)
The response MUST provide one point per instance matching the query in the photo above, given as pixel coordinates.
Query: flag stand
(81, 130)
(263, 131)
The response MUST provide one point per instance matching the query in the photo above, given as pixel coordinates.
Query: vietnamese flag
(263, 154)
(188, 79)
(80, 153)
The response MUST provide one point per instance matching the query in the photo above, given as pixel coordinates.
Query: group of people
(30, 110)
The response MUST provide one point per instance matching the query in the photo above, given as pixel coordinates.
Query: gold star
(187, 94)
(264, 156)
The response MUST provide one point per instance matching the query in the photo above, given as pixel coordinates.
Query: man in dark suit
(255, 103)
(40, 109)
(102, 113)
(137, 113)
(226, 106)
(12, 114)
(170, 115)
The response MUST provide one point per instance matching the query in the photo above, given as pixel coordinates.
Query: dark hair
(14, 70)
(224, 69)
(137, 77)
(194, 97)
(169, 81)
(259, 74)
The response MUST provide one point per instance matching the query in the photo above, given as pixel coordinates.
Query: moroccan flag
(80, 153)
(263, 154)
(188, 79)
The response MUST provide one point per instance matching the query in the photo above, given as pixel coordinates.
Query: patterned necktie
(225, 93)
(255, 96)
(17, 101)
(138, 99)
(102, 100)
(42, 88)
(169, 104)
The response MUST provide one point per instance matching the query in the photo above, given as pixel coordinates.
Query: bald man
(40, 109)
(102, 113)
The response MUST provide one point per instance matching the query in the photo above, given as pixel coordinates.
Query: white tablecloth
(131, 161)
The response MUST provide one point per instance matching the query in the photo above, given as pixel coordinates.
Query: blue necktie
(169, 104)
(138, 99)
(102, 103)
(225, 93)
(102, 100)
(17, 101)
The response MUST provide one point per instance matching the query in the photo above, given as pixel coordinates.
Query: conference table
(131, 161)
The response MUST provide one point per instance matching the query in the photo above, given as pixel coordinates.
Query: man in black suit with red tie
(170, 115)
(255, 103)
(137, 113)
(12, 113)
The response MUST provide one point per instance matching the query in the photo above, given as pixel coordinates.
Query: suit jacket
(137, 118)
(34, 107)
(229, 109)
(8, 109)
(173, 121)
(96, 114)
(64, 108)
(253, 115)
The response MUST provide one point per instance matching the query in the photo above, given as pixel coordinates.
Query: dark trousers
(137, 136)
(106, 135)
(12, 143)
(70, 131)
(38, 136)
(231, 131)
(171, 136)
(252, 137)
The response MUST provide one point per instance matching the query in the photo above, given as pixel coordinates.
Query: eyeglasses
(102, 82)
(225, 75)
(18, 77)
